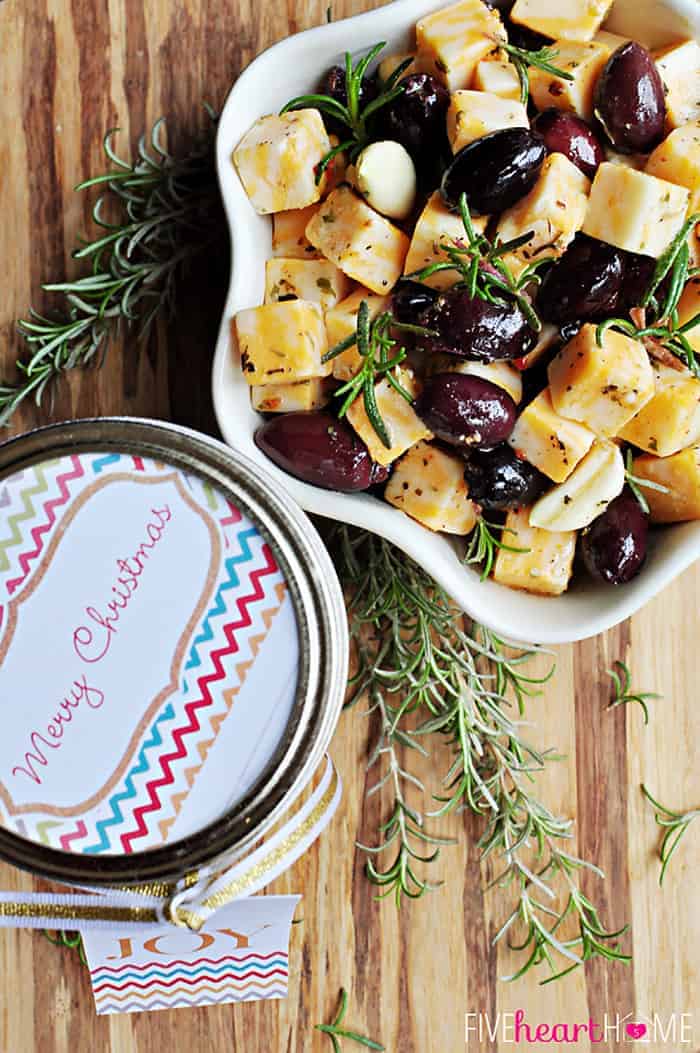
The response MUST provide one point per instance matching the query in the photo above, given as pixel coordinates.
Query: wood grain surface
(68, 71)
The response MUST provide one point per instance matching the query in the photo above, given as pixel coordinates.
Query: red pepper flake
(520, 363)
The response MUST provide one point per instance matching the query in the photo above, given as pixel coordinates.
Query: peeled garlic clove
(581, 498)
(386, 177)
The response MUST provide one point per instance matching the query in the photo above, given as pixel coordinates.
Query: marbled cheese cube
(671, 419)
(584, 62)
(473, 114)
(561, 19)
(289, 234)
(365, 245)
(634, 211)
(282, 342)
(498, 76)
(290, 398)
(679, 66)
(554, 211)
(545, 565)
(341, 322)
(428, 484)
(453, 40)
(276, 160)
(502, 374)
(436, 226)
(404, 426)
(677, 159)
(552, 443)
(601, 387)
(680, 474)
(689, 308)
(318, 281)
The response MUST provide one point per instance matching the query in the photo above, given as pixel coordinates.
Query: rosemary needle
(622, 683)
(334, 1030)
(675, 824)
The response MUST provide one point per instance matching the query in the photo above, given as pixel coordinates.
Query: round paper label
(148, 653)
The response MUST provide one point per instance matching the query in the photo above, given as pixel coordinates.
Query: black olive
(565, 133)
(629, 100)
(416, 117)
(465, 410)
(498, 479)
(411, 302)
(494, 171)
(584, 284)
(614, 547)
(476, 329)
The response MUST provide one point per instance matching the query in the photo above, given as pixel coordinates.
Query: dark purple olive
(466, 411)
(411, 302)
(319, 449)
(614, 547)
(498, 479)
(494, 171)
(334, 84)
(476, 329)
(565, 133)
(416, 117)
(629, 100)
(584, 284)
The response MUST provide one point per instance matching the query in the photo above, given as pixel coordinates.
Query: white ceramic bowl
(290, 68)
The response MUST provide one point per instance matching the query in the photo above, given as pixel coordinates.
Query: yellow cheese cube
(633, 210)
(552, 443)
(473, 114)
(502, 374)
(584, 62)
(671, 420)
(679, 66)
(554, 211)
(436, 226)
(318, 281)
(282, 342)
(601, 387)
(546, 564)
(428, 484)
(392, 62)
(498, 76)
(563, 19)
(276, 160)
(365, 245)
(289, 234)
(689, 308)
(680, 474)
(341, 322)
(290, 398)
(452, 41)
(404, 426)
(677, 159)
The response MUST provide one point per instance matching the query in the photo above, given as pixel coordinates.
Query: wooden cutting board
(68, 72)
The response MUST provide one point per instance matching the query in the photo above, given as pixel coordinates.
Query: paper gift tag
(241, 954)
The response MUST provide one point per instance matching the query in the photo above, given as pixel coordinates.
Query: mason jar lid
(173, 651)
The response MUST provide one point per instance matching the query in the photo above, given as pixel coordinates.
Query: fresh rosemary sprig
(675, 825)
(355, 118)
(72, 940)
(483, 545)
(636, 484)
(523, 59)
(168, 211)
(483, 270)
(334, 1030)
(622, 683)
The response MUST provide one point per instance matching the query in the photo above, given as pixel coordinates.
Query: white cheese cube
(671, 419)
(341, 322)
(277, 158)
(428, 484)
(545, 561)
(282, 342)
(317, 281)
(403, 425)
(584, 62)
(453, 40)
(634, 211)
(563, 19)
(289, 234)
(496, 75)
(679, 66)
(437, 226)
(365, 245)
(473, 114)
(552, 443)
(290, 398)
(677, 159)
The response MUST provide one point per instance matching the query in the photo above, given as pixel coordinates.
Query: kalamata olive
(411, 302)
(334, 84)
(498, 479)
(584, 284)
(476, 329)
(494, 171)
(416, 117)
(464, 410)
(565, 133)
(614, 547)
(319, 449)
(629, 100)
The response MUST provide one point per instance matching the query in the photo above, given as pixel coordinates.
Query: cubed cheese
(679, 66)
(634, 211)
(552, 443)
(601, 387)
(428, 484)
(341, 322)
(289, 234)
(318, 281)
(282, 342)
(452, 41)
(365, 245)
(404, 426)
(473, 114)
(677, 159)
(583, 62)
(276, 160)
(546, 561)
(671, 420)
(389, 64)
(436, 226)
(498, 76)
(561, 19)
(680, 474)
(689, 308)
(290, 398)
(554, 211)
(503, 374)
(613, 41)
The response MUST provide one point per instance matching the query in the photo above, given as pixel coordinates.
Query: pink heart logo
(636, 1030)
